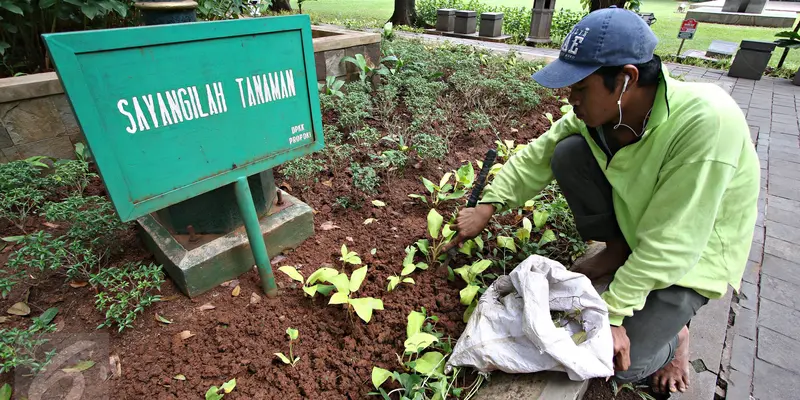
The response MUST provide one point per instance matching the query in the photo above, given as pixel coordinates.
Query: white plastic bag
(511, 329)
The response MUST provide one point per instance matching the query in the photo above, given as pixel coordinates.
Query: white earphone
(625, 86)
(619, 106)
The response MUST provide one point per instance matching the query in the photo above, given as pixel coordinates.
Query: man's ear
(633, 73)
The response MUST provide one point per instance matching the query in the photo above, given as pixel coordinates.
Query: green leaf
(526, 224)
(13, 239)
(444, 179)
(419, 196)
(423, 245)
(419, 341)
(43, 4)
(468, 312)
(466, 174)
(540, 218)
(283, 358)
(468, 294)
(429, 185)
(310, 290)
(393, 282)
(547, 237)
(323, 274)
(357, 278)
(228, 386)
(467, 247)
(409, 280)
(293, 333)
(411, 251)
(13, 8)
(447, 233)
(79, 367)
(479, 241)
(325, 290)
(455, 195)
(431, 363)
(407, 269)
(90, 10)
(163, 320)
(365, 306)
(339, 298)
(379, 376)
(421, 265)
(292, 272)
(378, 203)
(5, 392)
(212, 394)
(435, 221)
(507, 243)
(48, 315)
(415, 321)
(524, 233)
(579, 337)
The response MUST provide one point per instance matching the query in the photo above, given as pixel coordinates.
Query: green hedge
(516, 20)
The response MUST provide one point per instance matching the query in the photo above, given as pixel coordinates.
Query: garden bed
(431, 112)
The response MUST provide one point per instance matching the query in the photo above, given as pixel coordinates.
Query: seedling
(638, 390)
(291, 360)
(464, 178)
(349, 257)
(470, 273)
(506, 149)
(332, 86)
(215, 393)
(440, 234)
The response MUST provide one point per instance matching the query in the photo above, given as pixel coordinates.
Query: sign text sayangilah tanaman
(173, 111)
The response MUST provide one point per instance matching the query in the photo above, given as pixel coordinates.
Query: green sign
(173, 111)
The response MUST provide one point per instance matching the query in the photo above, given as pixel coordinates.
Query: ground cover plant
(365, 308)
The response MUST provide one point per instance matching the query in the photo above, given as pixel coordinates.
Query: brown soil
(599, 389)
(238, 339)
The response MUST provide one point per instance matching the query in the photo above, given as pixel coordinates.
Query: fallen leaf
(170, 298)
(162, 319)
(206, 307)
(254, 298)
(50, 225)
(349, 239)
(236, 291)
(5, 392)
(369, 221)
(3, 319)
(116, 365)
(80, 366)
(230, 283)
(328, 183)
(579, 337)
(514, 130)
(20, 309)
(180, 377)
(328, 225)
(287, 186)
(378, 203)
(184, 335)
(373, 251)
(78, 284)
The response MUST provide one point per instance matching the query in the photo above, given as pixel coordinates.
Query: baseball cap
(606, 37)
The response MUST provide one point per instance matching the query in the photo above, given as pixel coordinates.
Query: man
(664, 172)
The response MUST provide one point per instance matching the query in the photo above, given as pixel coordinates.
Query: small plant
(388, 32)
(391, 160)
(126, 292)
(73, 174)
(444, 191)
(477, 121)
(408, 268)
(291, 360)
(366, 136)
(365, 179)
(217, 393)
(19, 203)
(332, 87)
(637, 390)
(304, 169)
(506, 149)
(92, 219)
(365, 69)
(353, 108)
(440, 234)
(470, 273)
(20, 347)
(429, 147)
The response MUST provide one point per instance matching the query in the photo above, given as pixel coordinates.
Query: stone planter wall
(36, 118)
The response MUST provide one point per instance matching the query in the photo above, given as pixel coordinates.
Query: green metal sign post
(174, 111)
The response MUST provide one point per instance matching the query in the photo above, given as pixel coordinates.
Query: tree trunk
(280, 5)
(598, 4)
(405, 13)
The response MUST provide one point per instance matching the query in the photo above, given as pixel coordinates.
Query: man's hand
(622, 348)
(470, 223)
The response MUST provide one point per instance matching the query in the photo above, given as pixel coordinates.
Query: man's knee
(632, 375)
(569, 154)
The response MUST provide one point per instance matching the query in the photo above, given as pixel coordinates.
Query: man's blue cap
(606, 37)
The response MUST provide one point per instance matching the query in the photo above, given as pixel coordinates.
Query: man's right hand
(470, 223)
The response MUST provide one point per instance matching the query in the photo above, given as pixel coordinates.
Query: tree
(405, 13)
(598, 4)
(280, 5)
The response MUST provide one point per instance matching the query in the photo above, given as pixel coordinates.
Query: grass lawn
(666, 28)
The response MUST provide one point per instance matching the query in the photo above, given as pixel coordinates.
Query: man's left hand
(622, 348)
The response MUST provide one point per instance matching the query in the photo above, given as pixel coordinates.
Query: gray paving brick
(708, 329)
(745, 324)
(760, 219)
(784, 187)
(743, 354)
(738, 386)
(758, 235)
(788, 120)
(782, 154)
(759, 103)
(780, 140)
(782, 249)
(781, 269)
(773, 383)
(758, 112)
(786, 169)
(778, 349)
(748, 296)
(778, 318)
(703, 386)
(783, 204)
(763, 182)
(783, 216)
(778, 109)
(784, 232)
(751, 272)
(756, 249)
(782, 127)
(780, 291)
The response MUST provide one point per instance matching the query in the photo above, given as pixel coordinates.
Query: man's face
(593, 103)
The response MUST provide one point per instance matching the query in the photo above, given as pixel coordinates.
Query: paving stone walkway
(746, 345)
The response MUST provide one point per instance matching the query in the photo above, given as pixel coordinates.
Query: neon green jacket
(685, 194)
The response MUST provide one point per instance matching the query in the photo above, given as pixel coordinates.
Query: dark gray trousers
(653, 331)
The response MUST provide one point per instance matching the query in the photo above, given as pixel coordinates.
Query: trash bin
(445, 19)
(541, 18)
(751, 60)
(466, 22)
(491, 24)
